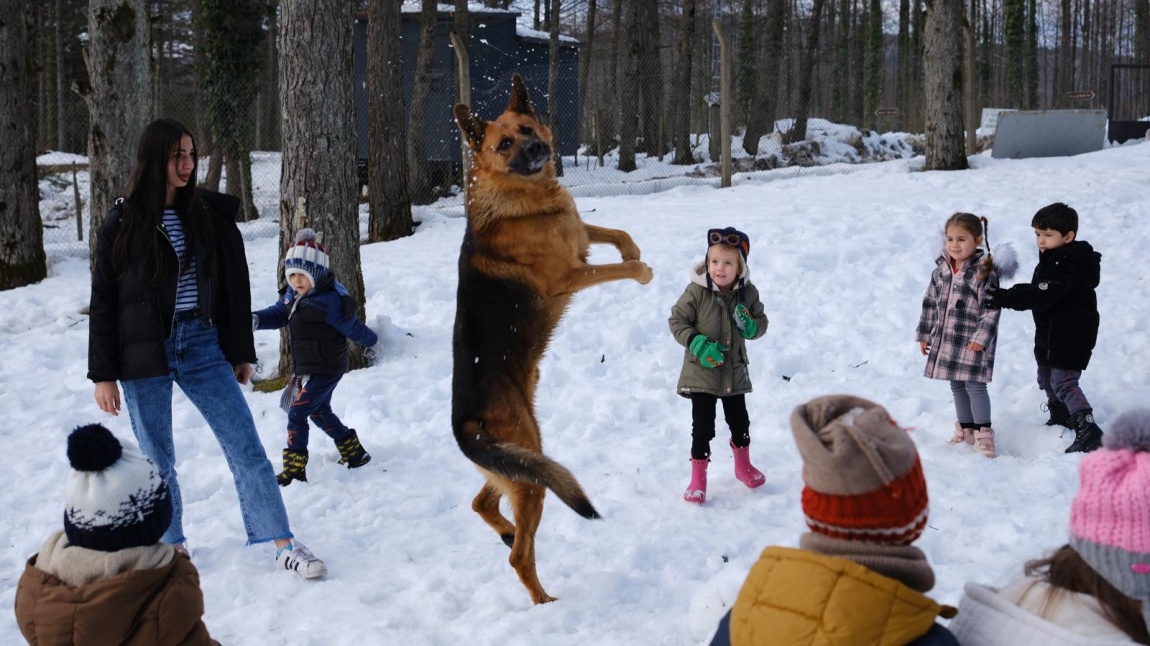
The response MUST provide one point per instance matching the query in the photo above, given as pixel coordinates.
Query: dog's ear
(470, 125)
(520, 102)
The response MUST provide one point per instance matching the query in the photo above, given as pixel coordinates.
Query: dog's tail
(523, 465)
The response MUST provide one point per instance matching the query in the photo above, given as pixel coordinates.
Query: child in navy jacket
(320, 315)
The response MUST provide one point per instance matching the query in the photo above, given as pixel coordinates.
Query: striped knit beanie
(1110, 516)
(115, 497)
(308, 257)
(863, 479)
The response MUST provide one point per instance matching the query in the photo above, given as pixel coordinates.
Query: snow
(841, 261)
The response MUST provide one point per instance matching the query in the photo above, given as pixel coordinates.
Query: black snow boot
(351, 452)
(295, 467)
(1087, 434)
(1059, 414)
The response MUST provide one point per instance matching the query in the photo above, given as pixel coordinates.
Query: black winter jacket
(129, 318)
(321, 322)
(1065, 307)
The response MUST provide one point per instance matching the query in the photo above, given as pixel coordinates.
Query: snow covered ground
(841, 261)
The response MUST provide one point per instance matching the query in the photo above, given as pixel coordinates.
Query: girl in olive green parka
(717, 313)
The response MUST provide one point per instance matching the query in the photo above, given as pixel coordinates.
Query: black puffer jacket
(131, 318)
(1065, 307)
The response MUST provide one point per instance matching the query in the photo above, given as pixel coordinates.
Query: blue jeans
(314, 402)
(197, 364)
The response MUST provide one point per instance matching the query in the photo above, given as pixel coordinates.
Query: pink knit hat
(1110, 516)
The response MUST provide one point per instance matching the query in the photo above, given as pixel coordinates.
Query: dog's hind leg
(527, 505)
(486, 504)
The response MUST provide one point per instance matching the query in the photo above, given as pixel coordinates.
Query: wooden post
(464, 81)
(724, 103)
(79, 209)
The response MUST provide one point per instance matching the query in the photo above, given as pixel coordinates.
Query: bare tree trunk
(553, 55)
(231, 32)
(681, 93)
(119, 98)
(905, 58)
(269, 88)
(970, 87)
(58, 39)
(318, 182)
(22, 259)
(585, 68)
(419, 183)
(629, 93)
(763, 111)
(40, 67)
(807, 67)
(616, 70)
(942, 63)
(387, 198)
(650, 77)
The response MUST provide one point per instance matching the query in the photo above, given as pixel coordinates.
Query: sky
(841, 260)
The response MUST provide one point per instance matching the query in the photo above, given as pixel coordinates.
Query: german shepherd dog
(524, 254)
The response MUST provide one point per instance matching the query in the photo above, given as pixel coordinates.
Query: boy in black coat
(1065, 308)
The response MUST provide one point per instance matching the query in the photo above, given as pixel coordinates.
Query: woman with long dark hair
(171, 304)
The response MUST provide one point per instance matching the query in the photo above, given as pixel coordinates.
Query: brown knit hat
(862, 473)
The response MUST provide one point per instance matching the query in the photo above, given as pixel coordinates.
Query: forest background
(252, 76)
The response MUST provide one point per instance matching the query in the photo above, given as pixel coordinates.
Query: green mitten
(710, 353)
(746, 323)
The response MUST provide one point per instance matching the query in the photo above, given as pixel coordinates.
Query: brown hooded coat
(140, 595)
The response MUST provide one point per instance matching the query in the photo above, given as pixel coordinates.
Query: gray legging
(971, 402)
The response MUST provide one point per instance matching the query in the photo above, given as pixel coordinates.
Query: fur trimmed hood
(698, 275)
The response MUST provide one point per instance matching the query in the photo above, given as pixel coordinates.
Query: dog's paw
(643, 273)
(629, 252)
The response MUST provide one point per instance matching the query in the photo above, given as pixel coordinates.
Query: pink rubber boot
(697, 491)
(744, 470)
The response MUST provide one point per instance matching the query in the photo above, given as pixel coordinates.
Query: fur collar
(77, 566)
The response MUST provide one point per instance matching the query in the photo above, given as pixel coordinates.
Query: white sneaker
(299, 559)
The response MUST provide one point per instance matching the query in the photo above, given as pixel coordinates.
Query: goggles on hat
(716, 236)
(729, 237)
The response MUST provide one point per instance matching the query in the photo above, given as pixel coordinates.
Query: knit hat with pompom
(1110, 516)
(308, 257)
(115, 497)
(863, 477)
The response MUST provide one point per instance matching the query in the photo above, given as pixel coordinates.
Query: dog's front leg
(590, 275)
(621, 239)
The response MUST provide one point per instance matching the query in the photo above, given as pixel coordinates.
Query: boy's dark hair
(1057, 216)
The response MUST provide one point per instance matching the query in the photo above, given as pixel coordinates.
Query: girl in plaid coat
(957, 333)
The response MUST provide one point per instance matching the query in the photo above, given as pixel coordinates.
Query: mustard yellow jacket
(795, 597)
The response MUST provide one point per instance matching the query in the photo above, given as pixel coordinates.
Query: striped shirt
(186, 292)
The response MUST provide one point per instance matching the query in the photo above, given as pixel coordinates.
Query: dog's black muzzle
(533, 156)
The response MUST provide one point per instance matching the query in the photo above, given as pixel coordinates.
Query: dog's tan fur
(523, 256)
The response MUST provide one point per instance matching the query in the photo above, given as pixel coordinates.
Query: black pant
(703, 422)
